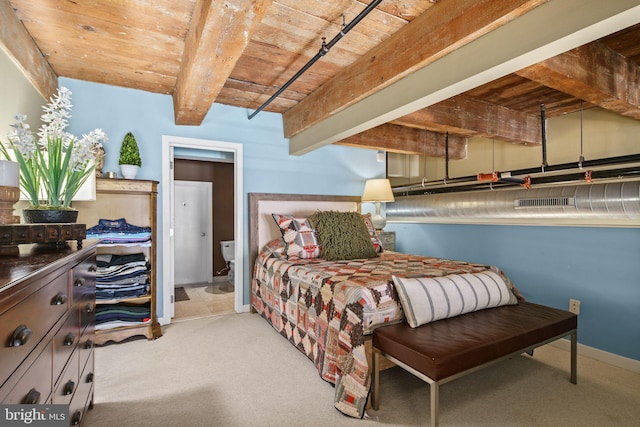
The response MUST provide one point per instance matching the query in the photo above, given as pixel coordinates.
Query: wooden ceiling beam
(432, 35)
(407, 140)
(544, 31)
(18, 44)
(465, 115)
(594, 73)
(219, 33)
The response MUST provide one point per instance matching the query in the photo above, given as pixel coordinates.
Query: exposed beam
(441, 29)
(465, 115)
(406, 140)
(511, 47)
(219, 33)
(18, 44)
(594, 73)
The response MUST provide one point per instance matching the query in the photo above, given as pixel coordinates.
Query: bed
(329, 309)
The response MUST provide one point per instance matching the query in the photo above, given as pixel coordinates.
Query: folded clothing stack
(122, 276)
(119, 232)
(114, 315)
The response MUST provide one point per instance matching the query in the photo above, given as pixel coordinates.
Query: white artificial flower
(22, 137)
(42, 161)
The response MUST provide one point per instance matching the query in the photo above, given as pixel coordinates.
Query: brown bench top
(449, 346)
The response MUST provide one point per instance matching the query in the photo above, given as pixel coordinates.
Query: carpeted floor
(180, 294)
(236, 370)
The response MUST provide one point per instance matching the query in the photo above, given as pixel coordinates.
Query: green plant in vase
(56, 164)
(130, 160)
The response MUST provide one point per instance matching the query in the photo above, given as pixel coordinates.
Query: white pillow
(427, 299)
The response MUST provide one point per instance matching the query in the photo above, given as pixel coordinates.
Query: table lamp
(378, 191)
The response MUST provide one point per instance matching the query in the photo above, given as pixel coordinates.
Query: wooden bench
(447, 349)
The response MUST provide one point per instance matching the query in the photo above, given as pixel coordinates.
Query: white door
(193, 234)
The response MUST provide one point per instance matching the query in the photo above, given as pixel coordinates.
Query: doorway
(204, 150)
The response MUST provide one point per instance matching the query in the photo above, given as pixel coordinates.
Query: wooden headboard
(262, 227)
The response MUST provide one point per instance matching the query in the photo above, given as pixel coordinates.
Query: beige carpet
(235, 370)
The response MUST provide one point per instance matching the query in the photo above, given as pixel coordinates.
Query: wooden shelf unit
(135, 201)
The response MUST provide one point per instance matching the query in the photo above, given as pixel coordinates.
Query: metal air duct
(615, 200)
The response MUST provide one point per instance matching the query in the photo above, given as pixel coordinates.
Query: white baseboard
(600, 355)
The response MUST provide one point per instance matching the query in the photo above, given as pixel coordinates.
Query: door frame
(169, 143)
(208, 189)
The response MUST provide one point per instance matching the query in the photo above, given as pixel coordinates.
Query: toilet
(228, 253)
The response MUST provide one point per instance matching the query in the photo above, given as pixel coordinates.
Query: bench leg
(375, 383)
(574, 357)
(435, 398)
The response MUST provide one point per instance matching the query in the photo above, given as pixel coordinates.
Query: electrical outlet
(574, 306)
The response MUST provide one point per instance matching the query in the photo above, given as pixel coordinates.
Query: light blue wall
(268, 167)
(598, 266)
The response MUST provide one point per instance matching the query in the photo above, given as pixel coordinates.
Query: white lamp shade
(377, 190)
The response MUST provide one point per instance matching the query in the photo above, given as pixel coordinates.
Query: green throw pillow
(342, 235)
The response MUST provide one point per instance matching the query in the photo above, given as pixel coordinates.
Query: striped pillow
(428, 299)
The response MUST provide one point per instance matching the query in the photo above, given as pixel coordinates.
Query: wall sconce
(378, 191)
(380, 155)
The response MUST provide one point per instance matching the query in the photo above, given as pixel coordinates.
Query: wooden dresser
(47, 321)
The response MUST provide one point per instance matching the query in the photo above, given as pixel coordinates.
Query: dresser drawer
(68, 382)
(35, 383)
(86, 345)
(64, 342)
(25, 324)
(84, 394)
(83, 280)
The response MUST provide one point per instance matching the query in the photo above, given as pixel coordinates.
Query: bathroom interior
(209, 299)
(214, 297)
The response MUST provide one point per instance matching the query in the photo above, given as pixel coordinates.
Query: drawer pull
(88, 308)
(59, 299)
(76, 418)
(93, 269)
(79, 281)
(32, 398)
(69, 339)
(68, 388)
(88, 344)
(20, 336)
(90, 377)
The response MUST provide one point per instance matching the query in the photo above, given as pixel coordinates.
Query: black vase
(36, 216)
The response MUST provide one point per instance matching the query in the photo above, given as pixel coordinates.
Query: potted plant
(130, 160)
(54, 165)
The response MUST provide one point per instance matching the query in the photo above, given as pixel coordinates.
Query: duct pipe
(323, 50)
(446, 155)
(543, 127)
(611, 200)
(608, 167)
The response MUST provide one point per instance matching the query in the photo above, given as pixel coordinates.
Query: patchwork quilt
(325, 308)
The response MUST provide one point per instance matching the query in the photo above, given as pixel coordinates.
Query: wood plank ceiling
(239, 52)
